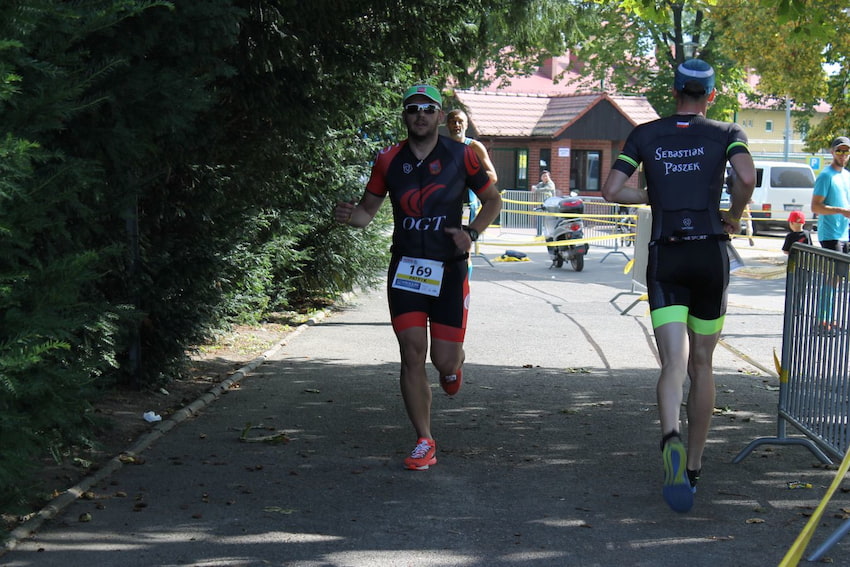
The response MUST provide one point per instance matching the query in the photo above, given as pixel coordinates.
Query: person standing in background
(831, 202)
(831, 198)
(547, 188)
(546, 185)
(684, 158)
(426, 177)
(796, 220)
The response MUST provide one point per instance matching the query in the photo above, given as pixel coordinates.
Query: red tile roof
(508, 114)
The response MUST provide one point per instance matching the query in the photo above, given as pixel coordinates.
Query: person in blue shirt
(831, 202)
(831, 198)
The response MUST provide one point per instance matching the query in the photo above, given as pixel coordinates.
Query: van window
(791, 177)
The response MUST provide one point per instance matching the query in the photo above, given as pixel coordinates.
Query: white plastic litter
(150, 416)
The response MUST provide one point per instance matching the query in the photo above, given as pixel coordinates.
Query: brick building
(576, 137)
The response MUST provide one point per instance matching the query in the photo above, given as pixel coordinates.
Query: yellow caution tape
(783, 376)
(573, 242)
(795, 553)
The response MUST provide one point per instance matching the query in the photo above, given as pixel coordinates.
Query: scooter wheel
(577, 263)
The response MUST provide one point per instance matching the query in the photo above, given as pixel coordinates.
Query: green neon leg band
(669, 314)
(679, 314)
(705, 327)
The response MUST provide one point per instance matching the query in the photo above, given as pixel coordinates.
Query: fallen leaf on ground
(279, 510)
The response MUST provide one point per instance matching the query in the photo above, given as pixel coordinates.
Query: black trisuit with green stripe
(684, 159)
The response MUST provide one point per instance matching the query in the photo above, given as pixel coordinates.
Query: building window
(522, 167)
(768, 126)
(546, 159)
(584, 173)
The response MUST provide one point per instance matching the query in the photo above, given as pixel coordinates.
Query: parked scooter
(557, 229)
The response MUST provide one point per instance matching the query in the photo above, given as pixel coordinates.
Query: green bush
(169, 168)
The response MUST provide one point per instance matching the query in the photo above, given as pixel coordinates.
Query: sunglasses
(427, 108)
(842, 152)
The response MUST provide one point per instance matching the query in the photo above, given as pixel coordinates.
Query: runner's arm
(484, 157)
(744, 181)
(491, 205)
(361, 214)
(615, 190)
(819, 207)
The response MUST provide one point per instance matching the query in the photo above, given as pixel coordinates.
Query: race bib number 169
(419, 276)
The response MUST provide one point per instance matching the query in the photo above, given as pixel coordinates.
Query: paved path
(547, 457)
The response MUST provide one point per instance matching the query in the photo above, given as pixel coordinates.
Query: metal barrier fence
(617, 222)
(814, 387)
(518, 209)
(608, 225)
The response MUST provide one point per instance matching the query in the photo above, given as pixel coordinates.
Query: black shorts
(687, 281)
(837, 245)
(446, 313)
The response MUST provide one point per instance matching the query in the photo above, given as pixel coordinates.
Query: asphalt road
(547, 457)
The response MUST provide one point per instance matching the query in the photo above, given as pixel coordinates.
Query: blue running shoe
(677, 491)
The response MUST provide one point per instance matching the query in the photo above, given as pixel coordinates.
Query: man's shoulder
(453, 146)
(478, 147)
(829, 172)
(391, 151)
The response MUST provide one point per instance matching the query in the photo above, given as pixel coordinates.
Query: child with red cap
(796, 220)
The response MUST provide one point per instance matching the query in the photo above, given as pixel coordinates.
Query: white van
(781, 187)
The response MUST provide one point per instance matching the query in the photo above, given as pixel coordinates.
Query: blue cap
(694, 70)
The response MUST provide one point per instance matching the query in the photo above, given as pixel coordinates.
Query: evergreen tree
(170, 167)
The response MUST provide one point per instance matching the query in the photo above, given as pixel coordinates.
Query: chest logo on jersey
(414, 201)
(424, 224)
(434, 168)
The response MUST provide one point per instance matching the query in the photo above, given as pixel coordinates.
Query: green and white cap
(424, 90)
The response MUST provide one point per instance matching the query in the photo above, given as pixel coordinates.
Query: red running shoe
(423, 455)
(451, 383)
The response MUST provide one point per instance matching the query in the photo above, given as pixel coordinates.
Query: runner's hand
(461, 238)
(730, 224)
(343, 212)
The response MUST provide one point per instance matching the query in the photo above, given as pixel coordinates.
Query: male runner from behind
(426, 177)
(684, 158)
